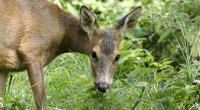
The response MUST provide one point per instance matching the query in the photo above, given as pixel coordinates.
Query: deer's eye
(117, 58)
(94, 55)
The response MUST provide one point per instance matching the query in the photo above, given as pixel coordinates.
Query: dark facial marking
(107, 44)
(103, 65)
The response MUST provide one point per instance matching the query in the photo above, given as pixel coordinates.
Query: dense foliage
(159, 62)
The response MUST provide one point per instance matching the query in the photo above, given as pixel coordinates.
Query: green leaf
(196, 19)
(142, 84)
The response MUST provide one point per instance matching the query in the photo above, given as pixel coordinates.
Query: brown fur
(37, 28)
(32, 33)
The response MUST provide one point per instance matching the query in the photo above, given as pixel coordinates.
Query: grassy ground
(69, 85)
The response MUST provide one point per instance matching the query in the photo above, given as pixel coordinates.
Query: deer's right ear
(88, 20)
(130, 20)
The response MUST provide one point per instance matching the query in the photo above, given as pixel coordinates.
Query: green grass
(69, 85)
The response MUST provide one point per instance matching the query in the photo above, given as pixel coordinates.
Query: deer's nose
(102, 87)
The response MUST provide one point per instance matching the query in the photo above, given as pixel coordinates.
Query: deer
(34, 32)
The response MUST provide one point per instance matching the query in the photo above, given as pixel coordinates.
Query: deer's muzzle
(102, 87)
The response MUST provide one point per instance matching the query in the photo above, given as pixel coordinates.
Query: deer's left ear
(130, 20)
(88, 20)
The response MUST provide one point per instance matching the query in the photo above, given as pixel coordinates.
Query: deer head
(105, 45)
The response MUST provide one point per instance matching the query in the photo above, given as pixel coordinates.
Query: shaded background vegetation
(159, 62)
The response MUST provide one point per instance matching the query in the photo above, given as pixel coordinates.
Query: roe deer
(34, 32)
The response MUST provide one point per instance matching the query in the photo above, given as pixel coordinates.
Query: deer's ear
(130, 20)
(88, 20)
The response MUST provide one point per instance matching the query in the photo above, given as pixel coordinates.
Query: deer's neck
(75, 39)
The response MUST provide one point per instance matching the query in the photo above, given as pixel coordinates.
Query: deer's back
(32, 24)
